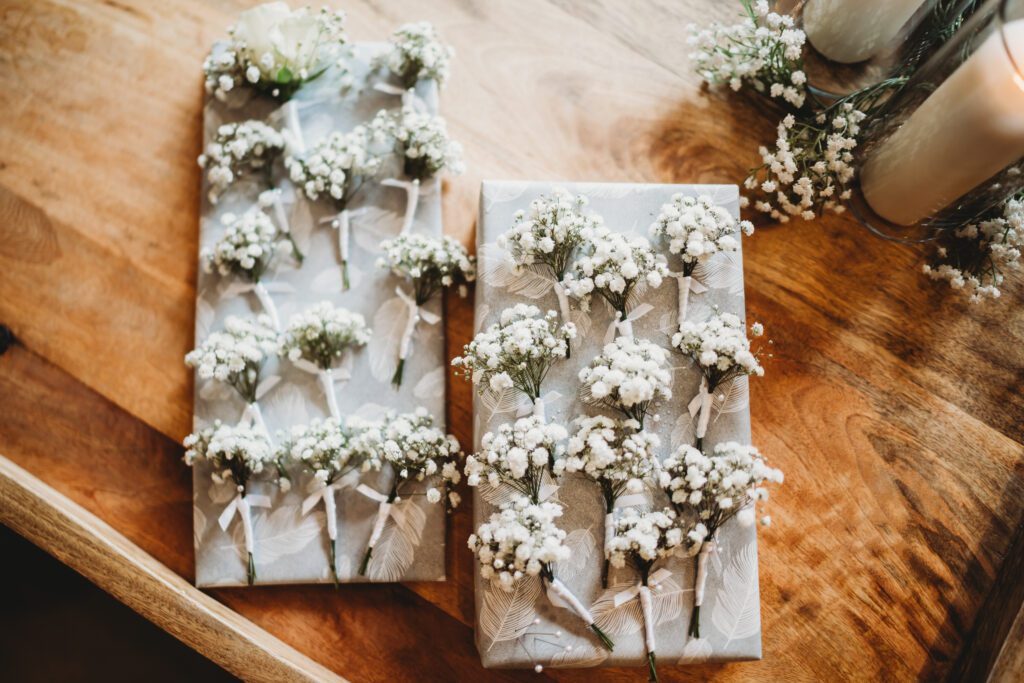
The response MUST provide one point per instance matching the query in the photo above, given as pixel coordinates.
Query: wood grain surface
(894, 409)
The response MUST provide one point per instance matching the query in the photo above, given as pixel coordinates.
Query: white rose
(255, 26)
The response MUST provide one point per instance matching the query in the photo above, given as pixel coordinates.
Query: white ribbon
(242, 505)
(267, 302)
(327, 493)
(624, 326)
(538, 408)
(609, 532)
(412, 191)
(701, 402)
(563, 302)
(262, 291)
(253, 415)
(416, 314)
(631, 500)
(702, 571)
(384, 510)
(560, 596)
(687, 284)
(341, 222)
(409, 97)
(327, 378)
(293, 125)
(279, 213)
(648, 612)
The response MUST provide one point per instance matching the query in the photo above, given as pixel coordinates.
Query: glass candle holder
(950, 144)
(852, 44)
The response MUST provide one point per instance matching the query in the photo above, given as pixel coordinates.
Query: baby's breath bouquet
(330, 450)
(420, 140)
(714, 489)
(336, 169)
(275, 49)
(548, 236)
(516, 352)
(616, 454)
(639, 540)
(414, 449)
(629, 375)
(318, 338)
(415, 53)
(430, 265)
(721, 350)
(239, 151)
(695, 229)
(616, 267)
(236, 356)
(246, 250)
(518, 455)
(521, 541)
(235, 454)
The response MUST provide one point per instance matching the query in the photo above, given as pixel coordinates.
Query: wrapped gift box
(522, 628)
(291, 547)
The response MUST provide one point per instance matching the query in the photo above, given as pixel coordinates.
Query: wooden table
(894, 409)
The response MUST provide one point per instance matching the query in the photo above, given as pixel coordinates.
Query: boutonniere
(420, 141)
(616, 267)
(521, 541)
(236, 454)
(518, 454)
(714, 489)
(620, 457)
(416, 53)
(318, 338)
(247, 248)
(695, 229)
(640, 540)
(629, 375)
(548, 236)
(275, 49)
(721, 350)
(336, 169)
(429, 264)
(516, 352)
(236, 356)
(329, 450)
(414, 449)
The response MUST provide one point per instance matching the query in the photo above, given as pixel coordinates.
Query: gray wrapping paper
(522, 628)
(291, 547)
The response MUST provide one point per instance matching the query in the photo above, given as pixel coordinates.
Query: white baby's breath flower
(614, 453)
(629, 375)
(720, 348)
(696, 229)
(550, 232)
(642, 538)
(517, 454)
(239, 150)
(235, 453)
(336, 167)
(247, 247)
(322, 334)
(417, 53)
(236, 354)
(613, 266)
(420, 140)
(521, 539)
(431, 263)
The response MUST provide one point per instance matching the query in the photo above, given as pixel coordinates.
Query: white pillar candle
(849, 31)
(965, 132)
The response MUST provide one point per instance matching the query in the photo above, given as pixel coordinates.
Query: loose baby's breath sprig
(639, 540)
(235, 454)
(516, 352)
(275, 49)
(414, 449)
(615, 266)
(695, 229)
(335, 169)
(721, 351)
(522, 540)
(763, 50)
(319, 337)
(416, 53)
(548, 237)
(420, 140)
(714, 489)
(246, 249)
(618, 456)
(518, 455)
(629, 375)
(329, 450)
(237, 151)
(430, 264)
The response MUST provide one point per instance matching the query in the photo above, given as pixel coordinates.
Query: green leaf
(284, 75)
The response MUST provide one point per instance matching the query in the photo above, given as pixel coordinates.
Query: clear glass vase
(949, 145)
(852, 44)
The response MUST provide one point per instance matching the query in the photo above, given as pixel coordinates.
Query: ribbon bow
(412, 191)
(252, 415)
(384, 510)
(262, 291)
(415, 315)
(242, 505)
(327, 377)
(624, 326)
(701, 402)
(409, 97)
(327, 493)
(538, 407)
(687, 283)
(627, 594)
